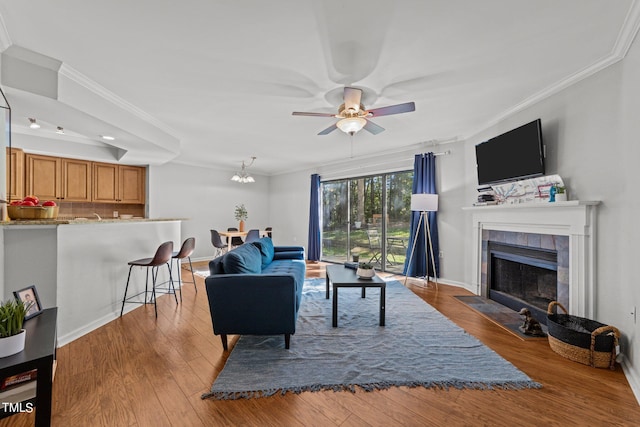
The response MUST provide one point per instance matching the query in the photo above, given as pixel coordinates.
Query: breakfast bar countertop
(59, 221)
(81, 266)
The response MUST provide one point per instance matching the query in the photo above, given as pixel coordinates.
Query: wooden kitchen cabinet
(55, 178)
(76, 180)
(118, 183)
(43, 176)
(15, 173)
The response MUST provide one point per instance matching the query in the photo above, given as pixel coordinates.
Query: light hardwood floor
(139, 371)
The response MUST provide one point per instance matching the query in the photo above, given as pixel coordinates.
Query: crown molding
(628, 31)
(84, 81)
(5, 39)
(623, 43)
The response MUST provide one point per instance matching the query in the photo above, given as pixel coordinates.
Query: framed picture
(29, 294)
(544, 190)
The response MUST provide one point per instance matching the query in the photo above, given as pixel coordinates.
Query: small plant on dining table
(241, 213)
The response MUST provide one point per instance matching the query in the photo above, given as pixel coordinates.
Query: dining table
(241, 234)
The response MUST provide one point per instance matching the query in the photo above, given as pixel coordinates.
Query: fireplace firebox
(523, 277)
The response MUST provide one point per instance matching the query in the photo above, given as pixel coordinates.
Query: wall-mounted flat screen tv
(517, 154)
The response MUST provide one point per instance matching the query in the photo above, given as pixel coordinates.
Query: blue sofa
(256, 289)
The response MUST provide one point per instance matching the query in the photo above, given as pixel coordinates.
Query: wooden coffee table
(343, 277)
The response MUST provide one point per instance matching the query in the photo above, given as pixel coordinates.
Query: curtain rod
(443, 153)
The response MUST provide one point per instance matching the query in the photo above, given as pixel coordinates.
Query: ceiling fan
(353, 116)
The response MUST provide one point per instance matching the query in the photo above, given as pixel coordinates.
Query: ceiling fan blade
(373, 128)
(352, 98)
(328, 130)
(393, 109)
(298, 113)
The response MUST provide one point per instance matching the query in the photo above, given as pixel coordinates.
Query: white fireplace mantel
(576, 219)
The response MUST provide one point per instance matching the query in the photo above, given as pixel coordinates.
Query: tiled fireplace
(525, 270)
(558, 239)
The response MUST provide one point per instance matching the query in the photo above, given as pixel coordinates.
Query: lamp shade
(424, 202)
(351, 124)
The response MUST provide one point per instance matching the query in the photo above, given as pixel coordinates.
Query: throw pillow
(245, 259)
(265, 245)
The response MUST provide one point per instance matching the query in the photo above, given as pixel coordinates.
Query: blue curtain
(313, 252)
(424, 181)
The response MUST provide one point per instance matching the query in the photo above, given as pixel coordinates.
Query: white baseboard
(85, 329)
(633, 377)
(77, 333)
(457, 284)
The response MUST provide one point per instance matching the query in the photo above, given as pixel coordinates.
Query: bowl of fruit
(31, 208)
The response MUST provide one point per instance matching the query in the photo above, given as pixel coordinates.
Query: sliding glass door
(398, 219)
(367, 218)
(335, 220)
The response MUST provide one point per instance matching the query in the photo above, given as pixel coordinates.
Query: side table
(39, 353)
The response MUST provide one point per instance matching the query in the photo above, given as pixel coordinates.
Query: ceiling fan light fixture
(351, 125)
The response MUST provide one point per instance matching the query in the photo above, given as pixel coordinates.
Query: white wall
(289, 210)
(207, 199)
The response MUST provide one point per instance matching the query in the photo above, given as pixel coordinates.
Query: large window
(367, 217)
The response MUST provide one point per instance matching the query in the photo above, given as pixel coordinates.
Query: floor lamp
(424, 203)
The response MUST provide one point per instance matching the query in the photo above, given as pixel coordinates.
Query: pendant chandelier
(243, 176)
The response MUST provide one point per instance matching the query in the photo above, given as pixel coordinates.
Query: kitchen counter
(82, 221)
(81, 266)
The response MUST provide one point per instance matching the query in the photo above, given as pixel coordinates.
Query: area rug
(418, 347)
(499, 314)
(199, 268)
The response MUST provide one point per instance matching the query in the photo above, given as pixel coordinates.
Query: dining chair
(162, 256)
(216, 240)
(252, 235)
(235, 241)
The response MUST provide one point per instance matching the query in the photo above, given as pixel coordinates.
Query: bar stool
(187, 248)
(163, 256)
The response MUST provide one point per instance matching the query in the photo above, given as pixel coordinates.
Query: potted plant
(12, 336)
(561, 193)
(365, 270)
(241, 216)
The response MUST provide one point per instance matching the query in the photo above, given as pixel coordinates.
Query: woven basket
(32, 212)
(582, 340)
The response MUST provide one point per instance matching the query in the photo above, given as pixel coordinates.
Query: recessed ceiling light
(60, 131)
(33, 124)
(107, 137)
